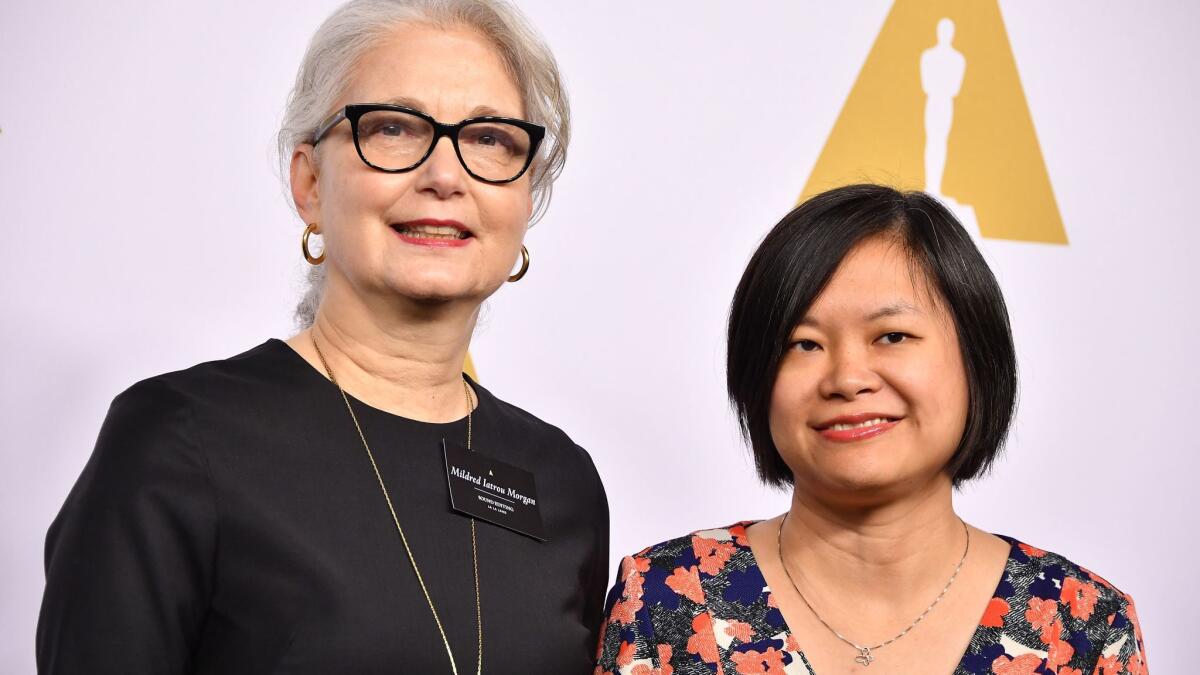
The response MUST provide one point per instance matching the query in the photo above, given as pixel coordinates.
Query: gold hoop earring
(312, 260)
(524, 266)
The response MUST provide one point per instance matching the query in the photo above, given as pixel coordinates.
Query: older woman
(311, 506)
(872, 370)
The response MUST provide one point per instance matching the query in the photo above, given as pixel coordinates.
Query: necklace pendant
(864, 657)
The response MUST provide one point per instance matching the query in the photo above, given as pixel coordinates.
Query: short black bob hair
(798, 258)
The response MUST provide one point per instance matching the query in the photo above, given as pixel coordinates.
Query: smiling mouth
(859, 425)
(853, 428)
(431, 232)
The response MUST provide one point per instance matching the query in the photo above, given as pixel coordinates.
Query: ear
(304, 182)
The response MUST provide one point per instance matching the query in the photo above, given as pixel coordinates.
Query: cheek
(354, 195)
(791, 400)
(936, 390)
(505, 209)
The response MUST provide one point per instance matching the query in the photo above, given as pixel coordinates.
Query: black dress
(229, 522)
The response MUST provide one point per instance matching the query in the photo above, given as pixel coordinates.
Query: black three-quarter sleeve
(129, 558)
(597, 583)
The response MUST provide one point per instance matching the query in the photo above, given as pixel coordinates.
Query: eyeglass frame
(354, 112)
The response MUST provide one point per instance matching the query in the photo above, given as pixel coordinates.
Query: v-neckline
(768, 596)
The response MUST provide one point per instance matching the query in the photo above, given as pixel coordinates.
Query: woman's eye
(384, 129)
(893, 338)
(806, 345)
(490, 136)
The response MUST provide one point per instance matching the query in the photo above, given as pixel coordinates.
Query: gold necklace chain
(403, 539)
(864, 652)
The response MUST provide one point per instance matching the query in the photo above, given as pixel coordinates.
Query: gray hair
(356, 26)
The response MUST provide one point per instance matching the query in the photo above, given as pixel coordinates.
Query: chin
(862, 480)
(434, 288)
(433, 296)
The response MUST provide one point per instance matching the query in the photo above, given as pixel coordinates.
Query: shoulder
(547, 441)
(1051, 576)
(156, 437)
(240, 388)
(1048, 602)
(687, 546)
(171, 408)
(688, 561)
(707, 576)
(269, 363)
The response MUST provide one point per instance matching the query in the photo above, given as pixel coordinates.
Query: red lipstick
(861, 426)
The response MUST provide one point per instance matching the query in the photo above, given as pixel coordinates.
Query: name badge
(491, 490)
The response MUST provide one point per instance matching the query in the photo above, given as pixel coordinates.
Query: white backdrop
(144, 230)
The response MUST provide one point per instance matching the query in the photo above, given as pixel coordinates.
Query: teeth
(868, 423)
(433, 232)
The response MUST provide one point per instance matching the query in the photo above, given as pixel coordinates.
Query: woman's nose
(442, 174)
(849, 375)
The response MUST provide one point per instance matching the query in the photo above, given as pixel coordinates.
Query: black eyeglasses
(396, 139)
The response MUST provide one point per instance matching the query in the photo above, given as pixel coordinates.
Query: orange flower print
(740, 630)
(664, 655)
(792, 644)
(1025, 664)
(1052, 635)
(702, 641)
(1108, 665)
(1045, 598)
(1080, 596)
(664, 658)
(1060, 653)
(625, 654)
(1137, 665)
(751, 662)
(738, 532)
(712, 554)
(993, 616)
(635, 564)
(686, 582)
(1032, 551)
(624, 611)
(1041, 615)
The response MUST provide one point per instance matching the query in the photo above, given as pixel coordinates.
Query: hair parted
(797, 259)
(355, 27)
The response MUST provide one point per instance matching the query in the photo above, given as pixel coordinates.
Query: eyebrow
(407, 102)
(415, 104)
(894, 309)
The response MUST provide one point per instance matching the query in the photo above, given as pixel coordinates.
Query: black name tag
(491, 490)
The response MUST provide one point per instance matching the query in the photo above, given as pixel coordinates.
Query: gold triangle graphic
(940, 93)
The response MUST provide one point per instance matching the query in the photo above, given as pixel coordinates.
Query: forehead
(877, 273)
(450, 71)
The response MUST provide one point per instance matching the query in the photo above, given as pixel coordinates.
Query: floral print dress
(699, 604)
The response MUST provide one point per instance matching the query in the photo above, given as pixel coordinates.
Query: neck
(405, 358)
(879, 551)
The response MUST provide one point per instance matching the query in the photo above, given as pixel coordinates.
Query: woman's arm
(1123, 651)
(627, 636)
(594, 608)
(129, 560)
